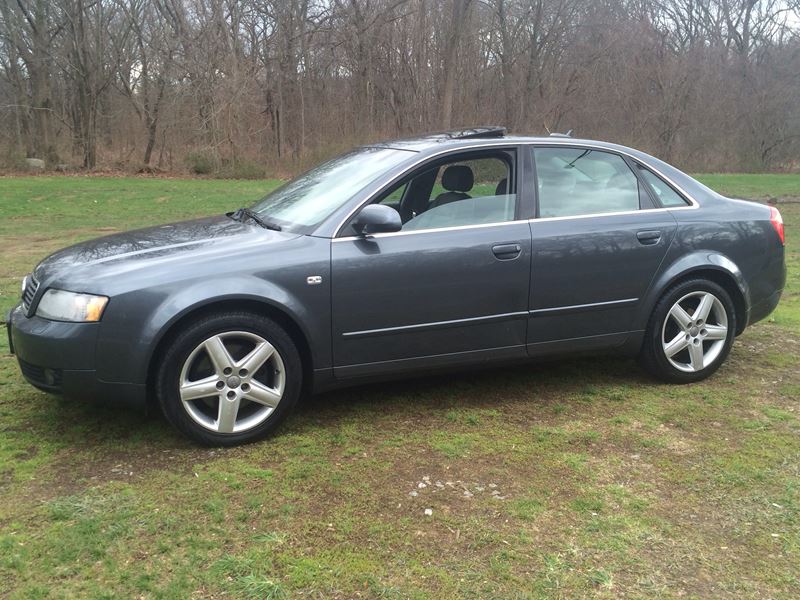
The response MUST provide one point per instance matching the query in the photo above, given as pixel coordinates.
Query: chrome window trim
(693, 204)
(350, 238)
(641, 211)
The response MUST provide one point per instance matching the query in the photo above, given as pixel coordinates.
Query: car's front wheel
(229, 378)
(690, 332)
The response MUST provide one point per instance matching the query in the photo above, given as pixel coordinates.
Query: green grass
(42, 214)
(566, 479)
(753, 185)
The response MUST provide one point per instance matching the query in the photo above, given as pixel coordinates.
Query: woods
(244, 87)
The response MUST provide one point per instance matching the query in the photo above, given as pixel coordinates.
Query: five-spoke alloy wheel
(227, 395)
(694, 332)
(229, 378)
(690, 332)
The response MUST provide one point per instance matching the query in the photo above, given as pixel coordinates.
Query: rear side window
(581, 181)
(667, 196)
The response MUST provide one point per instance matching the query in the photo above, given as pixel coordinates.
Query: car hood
(133, 250)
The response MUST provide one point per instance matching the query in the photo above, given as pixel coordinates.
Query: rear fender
(686, 266)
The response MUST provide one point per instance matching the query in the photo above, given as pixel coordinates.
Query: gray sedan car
(398, 258)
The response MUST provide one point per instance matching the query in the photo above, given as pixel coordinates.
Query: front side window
(582, 181)
(315, 195)
(474, 191)
(667, 196)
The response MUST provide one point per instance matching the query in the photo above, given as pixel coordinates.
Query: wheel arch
(248, 304)
(714, 267)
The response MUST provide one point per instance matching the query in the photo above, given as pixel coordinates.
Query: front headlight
(24, 283)
(59, 305)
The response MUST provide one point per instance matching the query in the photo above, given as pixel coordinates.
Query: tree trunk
(43, 146)
(506, 52)
(459, 14)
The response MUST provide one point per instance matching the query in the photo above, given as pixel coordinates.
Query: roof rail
(479, 132)
(562, 135)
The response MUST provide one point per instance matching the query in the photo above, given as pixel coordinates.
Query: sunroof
(478, 132)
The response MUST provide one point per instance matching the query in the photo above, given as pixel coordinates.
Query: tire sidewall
(655, 349)
(178, 352)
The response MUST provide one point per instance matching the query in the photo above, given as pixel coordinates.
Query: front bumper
(60, 358)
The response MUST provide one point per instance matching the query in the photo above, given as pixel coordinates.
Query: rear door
(598, 241)
(451, 287)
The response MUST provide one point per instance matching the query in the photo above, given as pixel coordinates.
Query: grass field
(574, 478)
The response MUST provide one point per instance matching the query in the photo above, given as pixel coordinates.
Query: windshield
(316, 194)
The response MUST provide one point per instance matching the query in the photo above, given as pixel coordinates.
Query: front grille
(29, 293)
(50, 378)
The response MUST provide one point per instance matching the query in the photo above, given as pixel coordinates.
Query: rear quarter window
(666, 195)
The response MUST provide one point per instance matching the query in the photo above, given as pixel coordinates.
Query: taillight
(777, 222)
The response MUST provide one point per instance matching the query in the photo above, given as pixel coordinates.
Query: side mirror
(377, 218)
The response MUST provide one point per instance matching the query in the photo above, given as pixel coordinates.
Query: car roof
(489, 136)
(486, 136)
(426, 147)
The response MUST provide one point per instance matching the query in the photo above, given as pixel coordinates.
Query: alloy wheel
(694, 331)
(232, 382)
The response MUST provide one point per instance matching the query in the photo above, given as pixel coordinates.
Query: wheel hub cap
(233, 382)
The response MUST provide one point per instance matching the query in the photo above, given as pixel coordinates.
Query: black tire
(653, 356)
(171, 373)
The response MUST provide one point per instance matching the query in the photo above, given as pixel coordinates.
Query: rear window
(583, 181)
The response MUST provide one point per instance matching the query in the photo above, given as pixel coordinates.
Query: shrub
(241, 169)
(201, 163)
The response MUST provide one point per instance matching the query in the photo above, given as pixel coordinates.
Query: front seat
(457, 180)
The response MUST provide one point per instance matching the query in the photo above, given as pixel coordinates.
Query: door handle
(649, 237)
(507, 251)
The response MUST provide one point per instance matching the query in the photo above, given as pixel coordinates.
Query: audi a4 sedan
(465, 248)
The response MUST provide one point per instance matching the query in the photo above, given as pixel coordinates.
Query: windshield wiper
(246, 213)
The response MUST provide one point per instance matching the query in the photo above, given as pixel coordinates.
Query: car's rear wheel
(229, 378)
(690, 332)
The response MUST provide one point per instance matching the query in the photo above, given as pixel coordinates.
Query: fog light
(49, 376)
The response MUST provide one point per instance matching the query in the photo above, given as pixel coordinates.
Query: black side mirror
(377, 218)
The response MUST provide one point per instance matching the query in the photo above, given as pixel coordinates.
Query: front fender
(701, 260)
(130, 334)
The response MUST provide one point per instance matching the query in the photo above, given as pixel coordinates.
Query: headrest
(458, 178)
(500, 190)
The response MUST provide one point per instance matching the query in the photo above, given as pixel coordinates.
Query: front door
(450, 288)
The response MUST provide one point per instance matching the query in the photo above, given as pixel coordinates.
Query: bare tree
(30, 29)
(239, 86)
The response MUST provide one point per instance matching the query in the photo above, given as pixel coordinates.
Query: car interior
(580, 182)
(479, 189)
(475, 191)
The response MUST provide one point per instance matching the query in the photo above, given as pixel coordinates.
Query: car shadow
(90, 426)
(478, 387)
